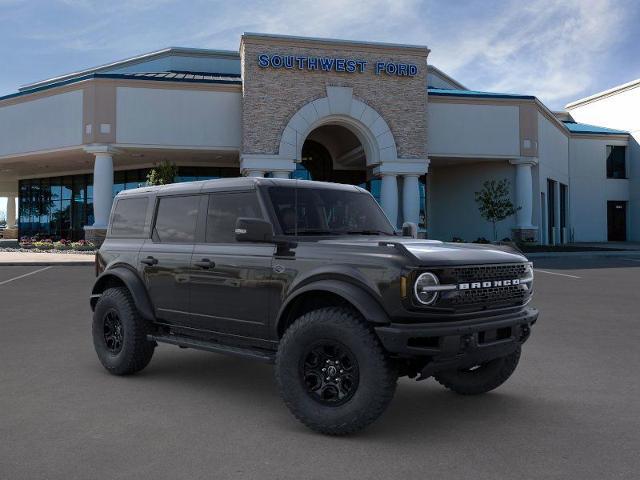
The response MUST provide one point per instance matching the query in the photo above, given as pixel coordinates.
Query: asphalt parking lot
(571, 410)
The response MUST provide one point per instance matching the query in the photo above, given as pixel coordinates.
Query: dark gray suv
(312, 277)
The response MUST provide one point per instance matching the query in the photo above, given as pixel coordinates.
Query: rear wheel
(480, 378)
(120, 333)
(332, 372)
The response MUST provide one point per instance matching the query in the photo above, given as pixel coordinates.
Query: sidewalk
(592, 253)
(38, 259)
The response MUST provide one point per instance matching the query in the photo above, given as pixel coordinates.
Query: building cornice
(311, 42)
(120, 80)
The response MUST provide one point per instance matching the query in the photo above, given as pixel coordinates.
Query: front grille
(479, 273)
(483, 297)
(489, 295)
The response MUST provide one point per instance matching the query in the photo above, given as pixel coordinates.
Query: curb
(47, 264)
(617, 253)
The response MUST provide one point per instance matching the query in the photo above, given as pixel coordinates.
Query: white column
(389, 196)
(411, 198)
(280, 174)
(11, 212)
(254, 173)
(524, 193)
(102, 188)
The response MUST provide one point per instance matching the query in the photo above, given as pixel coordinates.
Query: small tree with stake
(162, 174)
(494, 203)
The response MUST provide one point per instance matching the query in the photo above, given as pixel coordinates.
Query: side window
(128, 217)
(224, 210)
(616, 167)
(176, 219)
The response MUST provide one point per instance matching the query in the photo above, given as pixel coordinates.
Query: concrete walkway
(35, 259)
(592, 253)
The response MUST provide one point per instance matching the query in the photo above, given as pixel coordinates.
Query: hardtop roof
(235, 183)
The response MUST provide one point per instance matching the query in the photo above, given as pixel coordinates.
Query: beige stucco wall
(473, 129)
(272, 96)
(50, 122)
(178, 117)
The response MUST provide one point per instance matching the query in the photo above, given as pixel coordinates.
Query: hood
(434, 252)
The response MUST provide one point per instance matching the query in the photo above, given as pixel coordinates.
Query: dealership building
(370, 114)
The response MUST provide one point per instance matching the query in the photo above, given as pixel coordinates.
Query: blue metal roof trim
(227, 79)
(444, 92)
(585, 128)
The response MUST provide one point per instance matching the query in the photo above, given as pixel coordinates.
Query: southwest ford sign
(334, 64)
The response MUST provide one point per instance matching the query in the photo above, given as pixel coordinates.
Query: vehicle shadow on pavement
(423, 410)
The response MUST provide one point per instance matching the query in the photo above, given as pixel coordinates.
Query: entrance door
(617, 221)
(231, 287)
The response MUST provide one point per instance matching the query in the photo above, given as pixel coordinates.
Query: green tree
(494, 203)
(162, 174)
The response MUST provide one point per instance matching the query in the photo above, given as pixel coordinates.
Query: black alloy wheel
(330, 373)
(113, 332)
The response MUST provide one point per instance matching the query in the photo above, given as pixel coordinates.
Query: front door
(617, 221)
(165, 259)
(231, 282)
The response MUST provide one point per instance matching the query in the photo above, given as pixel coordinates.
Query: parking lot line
(632, 259)
(556, 273)
(25, 275)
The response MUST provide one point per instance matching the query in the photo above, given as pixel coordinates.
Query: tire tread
(341, 317)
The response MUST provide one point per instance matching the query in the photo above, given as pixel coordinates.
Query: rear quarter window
(129, 216)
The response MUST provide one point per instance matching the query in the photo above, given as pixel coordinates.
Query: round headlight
(423, 288)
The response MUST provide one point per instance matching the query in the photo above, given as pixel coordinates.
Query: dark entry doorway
(617, 221)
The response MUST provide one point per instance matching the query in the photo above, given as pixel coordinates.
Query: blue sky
(557, 50)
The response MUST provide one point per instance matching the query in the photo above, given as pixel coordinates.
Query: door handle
(149, 261)
(205, 263)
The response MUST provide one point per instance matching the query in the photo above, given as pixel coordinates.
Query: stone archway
(339, 107)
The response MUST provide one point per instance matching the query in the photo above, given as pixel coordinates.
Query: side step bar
(186, 342)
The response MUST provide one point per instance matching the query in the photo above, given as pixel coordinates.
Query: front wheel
(480, 378)
(332, 372)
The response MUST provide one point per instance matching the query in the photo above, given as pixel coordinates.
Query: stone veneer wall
(272, 96)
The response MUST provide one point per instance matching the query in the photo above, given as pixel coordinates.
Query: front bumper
(460, 344)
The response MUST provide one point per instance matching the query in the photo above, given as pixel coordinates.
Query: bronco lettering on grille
(488, 284)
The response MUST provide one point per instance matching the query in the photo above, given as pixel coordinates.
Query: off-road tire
(377, 374)
(483, 379)
(136, 351)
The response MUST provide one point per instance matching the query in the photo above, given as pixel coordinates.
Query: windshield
(323, 211)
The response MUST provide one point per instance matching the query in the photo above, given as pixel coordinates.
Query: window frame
(197, 237)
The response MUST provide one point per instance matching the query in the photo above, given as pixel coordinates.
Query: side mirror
(409, 229)
(253, 230)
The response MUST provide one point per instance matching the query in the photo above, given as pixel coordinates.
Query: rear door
(165, 258)
(617, 221)
(231, 284)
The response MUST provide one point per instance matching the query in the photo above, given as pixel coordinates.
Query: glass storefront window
(119, 180)
(59, 207)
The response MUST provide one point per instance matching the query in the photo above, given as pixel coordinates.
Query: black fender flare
(134, 284)
(368, 306)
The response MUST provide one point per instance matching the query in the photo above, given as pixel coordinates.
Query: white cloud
(546, 48)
